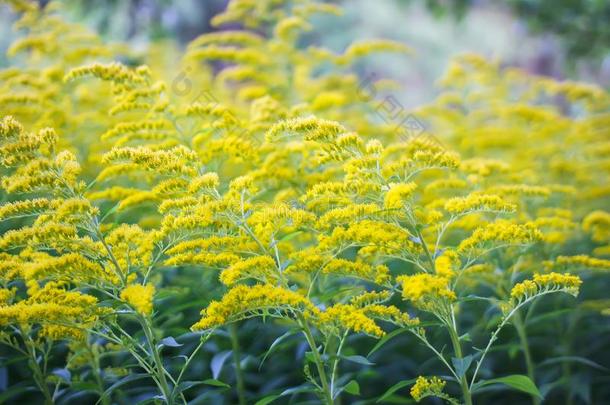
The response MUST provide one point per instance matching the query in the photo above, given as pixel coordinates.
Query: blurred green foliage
(582, 25)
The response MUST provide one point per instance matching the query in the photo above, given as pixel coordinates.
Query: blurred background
(558, 38)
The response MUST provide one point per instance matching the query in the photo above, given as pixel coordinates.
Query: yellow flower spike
(447, 264)
(243, 302)
(178, 160)
(478, 202)
(139, 297)
(597, 223)
(349, 317)
(53, 306)
(364, 48)
(500, 233)
(425, 387)
(397, 195)
(206, 182)
(225, 38)
(346, 215)
(372, 297)
(543, 283)
(132, 246)
(378, 274)
(580, 262)
(261, 268)
(114, 72)
(421, 289)
(27, 208)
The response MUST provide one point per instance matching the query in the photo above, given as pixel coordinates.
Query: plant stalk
(328, 398)
(39, 375)
(239, 376)
(159, 368)
(529, 364)
(457, 348)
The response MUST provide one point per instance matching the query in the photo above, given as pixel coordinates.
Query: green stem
(159, 368)
(505, 319)
(39, 376)
(95, 369)
(239, 376)
(521, 332)
(336, 364)
(565, 367)
(327, 395)
(457, 348)
(190, 359)
(425, 246)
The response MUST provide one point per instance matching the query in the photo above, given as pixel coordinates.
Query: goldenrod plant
(261, 192)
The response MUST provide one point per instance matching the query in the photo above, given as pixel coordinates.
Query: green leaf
(218, 362)
(517, 381)
(216, 383)
(267, 400)
(394, 388)
(123, 381)
(352, 387)
(385, 339)
(309, 356)
(298, 390)
(16, 389)
(186, 385)
(169, 342)
(290, 236)
(358, 359)
(574, 359)
(275, 343)
(461, 365)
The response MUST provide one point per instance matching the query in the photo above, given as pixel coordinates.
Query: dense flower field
(236, 225)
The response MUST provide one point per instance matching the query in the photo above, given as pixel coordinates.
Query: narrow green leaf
(517, 381)
(574, 359)
(15, 390)
(123, 381)
(216, 383)
(358, 359)
(297, 390)
(290, 236)
(218, 362)
(267, 400)
(394, 388)
(385, 339)
(275, 343)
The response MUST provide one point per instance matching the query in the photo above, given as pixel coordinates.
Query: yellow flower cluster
(398, 193)
(447, 264)
(579, 262)
(61, 313)
(114, 72)
(425, 289)
(425, 387)
(139, 297)
(242, 302)
(260, 268)
(375, 237)
(478, 202)
(597, 224)
(500, 233)
(350, 317)
(379, 274)
(542, 283)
